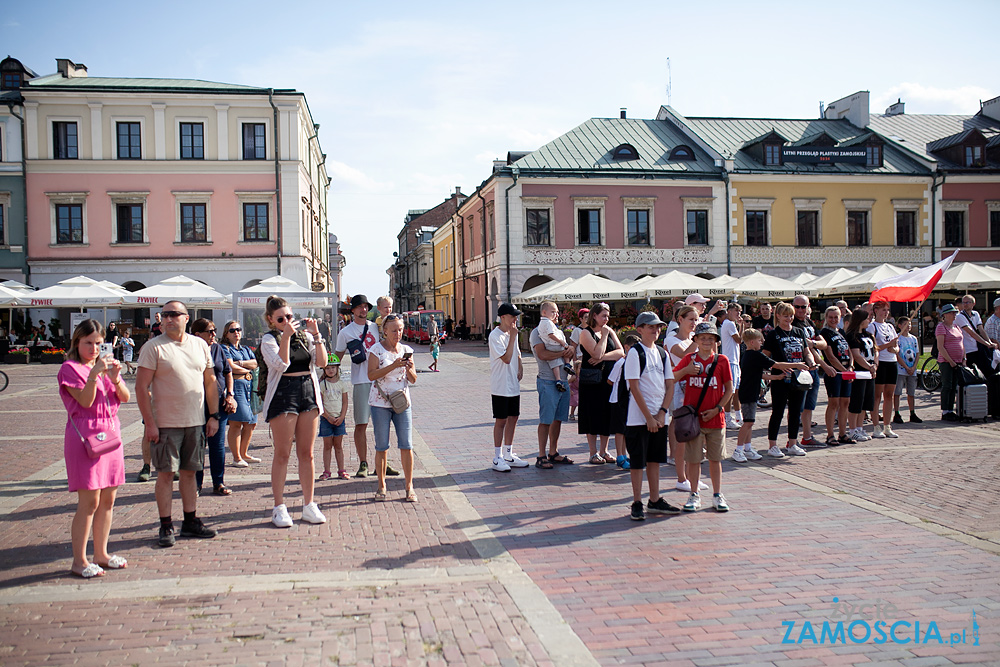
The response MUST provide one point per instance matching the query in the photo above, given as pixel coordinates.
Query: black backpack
(623, 390)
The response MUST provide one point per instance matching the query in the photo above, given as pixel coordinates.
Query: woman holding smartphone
(293, 403)
(390, 369)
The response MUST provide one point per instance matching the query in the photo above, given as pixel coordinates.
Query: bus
(417, 325)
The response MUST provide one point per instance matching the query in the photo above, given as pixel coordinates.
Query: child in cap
(331, 423)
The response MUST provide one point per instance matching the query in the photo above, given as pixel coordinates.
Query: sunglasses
(390, 317)
(235, 330)
(800, 307)
(172, 313)
(282, 318)
(211, 331)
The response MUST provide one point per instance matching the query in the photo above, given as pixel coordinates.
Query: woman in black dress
(601, 350)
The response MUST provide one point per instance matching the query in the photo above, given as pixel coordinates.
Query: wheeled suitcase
(973, 402)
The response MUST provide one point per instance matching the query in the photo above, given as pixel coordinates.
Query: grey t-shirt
(544, 371)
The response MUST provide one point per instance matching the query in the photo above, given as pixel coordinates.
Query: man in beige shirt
(177, 369)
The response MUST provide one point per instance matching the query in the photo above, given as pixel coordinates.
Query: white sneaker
(311, 513)
(889, 433)
(693, 504)
(739, 456)
(515, 461)
(701, 485)
(861, 435)
(731, 422)
(280, 517)
(719, 503)
(878, 432)
(241, 464)
(683, 486)
(751, 453)
(795, 450)
(775, 453)
(500, 465)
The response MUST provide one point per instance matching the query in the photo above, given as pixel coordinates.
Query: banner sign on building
(818, 155)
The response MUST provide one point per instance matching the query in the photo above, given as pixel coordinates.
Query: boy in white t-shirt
(906, 376)
(554, 341)
(619, 410)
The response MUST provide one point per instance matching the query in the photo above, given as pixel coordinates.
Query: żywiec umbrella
(78, 292)
(188, 291)
(280, 285)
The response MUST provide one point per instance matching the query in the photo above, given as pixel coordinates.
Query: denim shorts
(381, 418)
(293, 395)
(553, 405)
(328, 430)
(837, 387)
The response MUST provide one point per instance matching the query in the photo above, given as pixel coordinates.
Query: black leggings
(782, 395)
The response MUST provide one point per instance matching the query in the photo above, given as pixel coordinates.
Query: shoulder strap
(642, 358)
(708, 380)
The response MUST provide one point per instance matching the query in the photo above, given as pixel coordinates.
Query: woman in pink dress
(91, 387)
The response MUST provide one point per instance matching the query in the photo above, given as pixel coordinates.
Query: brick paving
(701, 589)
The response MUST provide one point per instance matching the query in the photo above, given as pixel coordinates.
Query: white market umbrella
(764, 286)
(673, 283)
(528, 295)
(591, 287)
(188, 291)
(9, 297)
(804, 278)
(864, 282)
(256, 296)
(819, 285)
(723, 280)
(16, 286)
(969, 276)
(78, 292)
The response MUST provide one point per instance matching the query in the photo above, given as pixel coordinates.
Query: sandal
(607, 458)
(89, 572)
(597, 460)
(222, 490)
(325, 476)
(411, 497)
(380, 495)
(116, 563)
(559, 458)
(542, 462)
(342, 474)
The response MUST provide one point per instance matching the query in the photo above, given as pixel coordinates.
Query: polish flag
(914, 285)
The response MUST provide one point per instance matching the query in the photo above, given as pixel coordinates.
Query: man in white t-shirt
(732, 336)
(973, 334)
(506, 371)
(366, 334)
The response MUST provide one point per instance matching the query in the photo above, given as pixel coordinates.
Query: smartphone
(106, 350)
(407, 355)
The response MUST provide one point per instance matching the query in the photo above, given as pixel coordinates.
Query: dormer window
(11, 80)
(973, 156)
(772, 154)
(873, 155)
(625, 152)
(683, 153)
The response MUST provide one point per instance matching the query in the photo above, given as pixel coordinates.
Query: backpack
(623, 390)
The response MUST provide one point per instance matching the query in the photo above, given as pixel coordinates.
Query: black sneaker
(390, 471)
(638, 514)
(914, 419)
(949, 417)
(195, 528)
(362, 470)
(661, 506)
(167, 538)
(144, 474)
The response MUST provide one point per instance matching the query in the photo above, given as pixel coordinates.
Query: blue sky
(417, 98)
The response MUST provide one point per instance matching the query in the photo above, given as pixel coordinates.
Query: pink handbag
(102, 437)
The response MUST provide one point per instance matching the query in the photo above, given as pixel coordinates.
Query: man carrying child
(554, 341)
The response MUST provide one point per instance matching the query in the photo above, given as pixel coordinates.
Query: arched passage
(535, 281)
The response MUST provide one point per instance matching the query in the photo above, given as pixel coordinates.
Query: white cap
(695, 298)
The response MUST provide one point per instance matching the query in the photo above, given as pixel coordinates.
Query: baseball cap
(694, 298)
(507, 309)
(648, 317)
(996, 302)
(359, 299)
(707, 328)
(582, 312)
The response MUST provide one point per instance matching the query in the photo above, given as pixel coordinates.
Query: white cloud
(353, 178)
(930, 99)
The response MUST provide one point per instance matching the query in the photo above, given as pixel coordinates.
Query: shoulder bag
(398, 400)
(687, 421)
(357, 347)
(102, 437)
(591, 374)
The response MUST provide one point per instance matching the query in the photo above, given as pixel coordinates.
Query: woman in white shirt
(391, 369)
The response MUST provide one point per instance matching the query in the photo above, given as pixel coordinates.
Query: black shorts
(506, 406)
(294, 395)
(886, 373)
(644, 446)
(619, 414)
(862, 396)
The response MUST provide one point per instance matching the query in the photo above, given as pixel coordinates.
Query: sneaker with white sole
(515, 461)
(861, 435)
(878, 432)
(775, 453)
(795, 450)
(739, 456)
(731, 422)
(693, 503)
(889, 433)
(751, 453)
(719, 503)
(311, 514)
(683, 486)
(281, 518)
(500, 465)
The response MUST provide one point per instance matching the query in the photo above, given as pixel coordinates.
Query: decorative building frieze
(606, 256)
(824, 255)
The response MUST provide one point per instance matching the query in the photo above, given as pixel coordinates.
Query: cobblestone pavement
(528, 567)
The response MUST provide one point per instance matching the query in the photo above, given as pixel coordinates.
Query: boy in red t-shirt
(711, 441)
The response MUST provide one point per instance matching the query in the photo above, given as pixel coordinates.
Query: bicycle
(930, 375)
(4, 381)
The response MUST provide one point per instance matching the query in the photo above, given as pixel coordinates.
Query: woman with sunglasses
(243, 421)
(292, 404)
(216, 444)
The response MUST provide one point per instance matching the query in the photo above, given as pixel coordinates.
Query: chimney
(896, 109)
(990, 108)
(498, 165)
(623, 110)
(69, 69)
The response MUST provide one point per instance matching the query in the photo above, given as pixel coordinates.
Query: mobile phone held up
(407, 355)
(106, 350)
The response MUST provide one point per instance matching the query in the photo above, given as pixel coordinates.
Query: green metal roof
(919, 132)
(57, 81)
(589, 147)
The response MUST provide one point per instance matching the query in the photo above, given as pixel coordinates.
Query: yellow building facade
(443, 243)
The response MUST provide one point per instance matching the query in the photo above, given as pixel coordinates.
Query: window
(11, 80)
(681, 153)
(757, 228)
(538, 226)
(589, 220)
(638, 226)
(873, 156)
(697, 227)
(3, 230)
(906, 228)
(69, 223)
(192, 141)
(995, 228)
(255, 222)
(129, 144)
(493, 231)
(64, 141)
(954, 229)
(193, 227)
(254, 142)
(130, 223)
(973, 156)
(772, 154)
(807, 228)
(857, 228)
(625, 152)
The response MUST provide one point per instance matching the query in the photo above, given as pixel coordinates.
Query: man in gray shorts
(362, 331)
(176, 374)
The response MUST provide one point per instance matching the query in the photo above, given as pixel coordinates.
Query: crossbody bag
(687, 420)
(102, 437)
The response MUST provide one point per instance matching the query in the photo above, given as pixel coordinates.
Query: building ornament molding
(613, 256)
(639, 202)
(820, 255)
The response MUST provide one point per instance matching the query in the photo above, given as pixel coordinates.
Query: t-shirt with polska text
(716, 386)
(838, 345)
